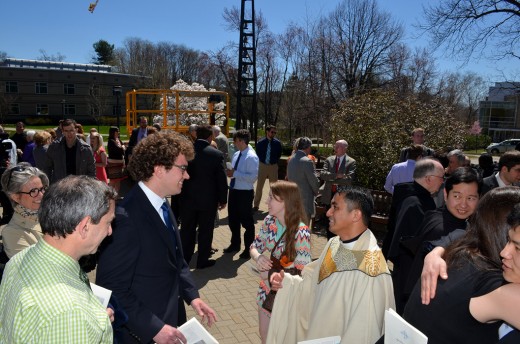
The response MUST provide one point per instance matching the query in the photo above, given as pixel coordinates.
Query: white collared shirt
(156, 201)
(499, 180)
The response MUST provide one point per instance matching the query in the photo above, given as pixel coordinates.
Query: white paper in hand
(326, 340)
(195, 333)
(399, 331)
(101, 293)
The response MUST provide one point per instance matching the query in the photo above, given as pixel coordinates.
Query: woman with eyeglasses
(25, 186)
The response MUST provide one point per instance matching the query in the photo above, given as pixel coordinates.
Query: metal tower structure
(246, 94)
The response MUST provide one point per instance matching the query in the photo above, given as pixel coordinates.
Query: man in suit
(137, 135)
(269, 151)
(417, 139)
(69, 155)
(143, 262)
(201, 195)
(240, 209)
(508, 172)
(300, 170)
(338, 169)
(222, 141)
(192, 131)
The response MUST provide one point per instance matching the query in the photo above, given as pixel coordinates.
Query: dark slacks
(205, 221)
(240, 213)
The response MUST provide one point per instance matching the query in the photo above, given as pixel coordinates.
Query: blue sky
(67, 27)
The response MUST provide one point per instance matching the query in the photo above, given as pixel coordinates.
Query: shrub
(378, 124)
(477, 141)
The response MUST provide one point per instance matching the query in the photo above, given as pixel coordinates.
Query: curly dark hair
(160, 149)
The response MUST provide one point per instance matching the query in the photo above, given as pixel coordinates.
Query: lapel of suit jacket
(157, 224)
(179, 256)
(343, 166)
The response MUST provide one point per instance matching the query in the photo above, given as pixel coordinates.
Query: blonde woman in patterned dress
(285, 236)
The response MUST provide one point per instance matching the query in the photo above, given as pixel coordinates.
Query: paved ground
(230, 288)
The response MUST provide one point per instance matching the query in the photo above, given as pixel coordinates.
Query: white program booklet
(325, 340)
(195, 333)
(101, 293)
(399, 331)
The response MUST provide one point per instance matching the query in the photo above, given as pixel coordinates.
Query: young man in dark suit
(143, 262)
(508, 172)
(201, 196)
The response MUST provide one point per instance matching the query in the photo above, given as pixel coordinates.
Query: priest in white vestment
(346, 291)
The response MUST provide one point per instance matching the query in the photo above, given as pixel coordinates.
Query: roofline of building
(60, 66)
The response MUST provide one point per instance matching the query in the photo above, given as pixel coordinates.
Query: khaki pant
(264, 172)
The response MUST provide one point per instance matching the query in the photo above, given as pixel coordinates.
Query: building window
(14, 109)
(69, 89)
(42, 109)
(11, 87)
(69, 109)
(41, 88)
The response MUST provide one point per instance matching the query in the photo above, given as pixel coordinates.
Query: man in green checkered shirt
(45, 297)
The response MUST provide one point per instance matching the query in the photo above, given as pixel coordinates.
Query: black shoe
(206, 264)
(231, 249)
(245, 255)
(213, 251)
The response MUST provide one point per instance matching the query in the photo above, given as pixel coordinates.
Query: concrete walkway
(230, 287)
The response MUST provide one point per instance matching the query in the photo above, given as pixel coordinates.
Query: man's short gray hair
(461, 158)
(304, 143)
(70, 200)
(216, 130)
(192, 127)
(343, 142)
(423, 168)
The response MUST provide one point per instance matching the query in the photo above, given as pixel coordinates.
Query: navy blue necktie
(168, 221)
(268, 154)
(232, 183)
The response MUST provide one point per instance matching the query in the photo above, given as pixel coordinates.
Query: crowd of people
(60, 189)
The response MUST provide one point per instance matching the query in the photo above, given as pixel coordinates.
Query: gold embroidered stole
(338, 258)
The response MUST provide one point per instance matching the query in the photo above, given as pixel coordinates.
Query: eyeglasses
(273, 132)
(183, 168)
(34, 192)
(14, 169)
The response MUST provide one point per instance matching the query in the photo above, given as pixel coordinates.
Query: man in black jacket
(508, 172)
(409, 203)
(202, 194)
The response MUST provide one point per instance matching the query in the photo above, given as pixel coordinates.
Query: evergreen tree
(104, 51)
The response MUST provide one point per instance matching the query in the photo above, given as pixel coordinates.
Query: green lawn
(103, 129)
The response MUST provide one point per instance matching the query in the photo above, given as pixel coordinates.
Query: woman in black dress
(116, 160)
(469, 305)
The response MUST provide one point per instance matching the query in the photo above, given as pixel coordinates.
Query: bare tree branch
(467, 28)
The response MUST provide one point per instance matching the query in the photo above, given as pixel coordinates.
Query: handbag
(276, 267)
(115, 169)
